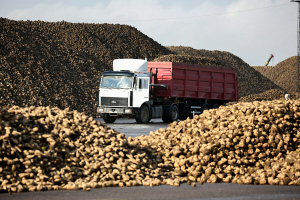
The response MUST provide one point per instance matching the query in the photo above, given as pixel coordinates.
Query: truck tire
(143, 115)
(174, 113)
(171, 114)
(109, 119)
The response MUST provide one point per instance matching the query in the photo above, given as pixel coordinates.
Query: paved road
(207, 191)
(130, 128)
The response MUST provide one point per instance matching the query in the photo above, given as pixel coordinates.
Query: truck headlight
(127, 110)
(100, 109)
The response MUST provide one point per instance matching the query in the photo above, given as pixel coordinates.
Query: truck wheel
(109, 119)
(143, 115)
(174, 113)
(171, 114)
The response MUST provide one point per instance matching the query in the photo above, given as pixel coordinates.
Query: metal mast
(298, 30)
(298, 46)
(298, 27)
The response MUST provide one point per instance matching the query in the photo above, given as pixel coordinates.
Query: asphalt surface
(207, 191)
(130, 128)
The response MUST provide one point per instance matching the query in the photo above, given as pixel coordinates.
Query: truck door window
(144, 83)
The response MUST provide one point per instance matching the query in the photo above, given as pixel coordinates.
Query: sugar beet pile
(284, 74)
(44, 148)
(59, 64)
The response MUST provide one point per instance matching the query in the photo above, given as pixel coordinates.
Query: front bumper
(115, 111)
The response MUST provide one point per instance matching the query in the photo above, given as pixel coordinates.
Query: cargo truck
(168, 90)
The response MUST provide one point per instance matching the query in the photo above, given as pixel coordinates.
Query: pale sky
(250, 29)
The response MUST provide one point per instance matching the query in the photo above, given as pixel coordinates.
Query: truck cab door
(141, 91)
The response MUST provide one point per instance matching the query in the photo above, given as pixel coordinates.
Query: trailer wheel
(171, 114)
(143, 116)
(205, 107)
(216, 106)
(109, 119)
(174, 113)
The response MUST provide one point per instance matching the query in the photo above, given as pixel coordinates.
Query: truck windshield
(117, 82)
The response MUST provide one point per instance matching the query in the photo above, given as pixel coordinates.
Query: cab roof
(112, 73)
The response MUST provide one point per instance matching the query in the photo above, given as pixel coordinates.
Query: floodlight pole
(298, 45)
(298, 31)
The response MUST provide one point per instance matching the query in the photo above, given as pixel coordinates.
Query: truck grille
(114, 101)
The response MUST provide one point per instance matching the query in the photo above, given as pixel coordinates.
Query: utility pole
(298, 45)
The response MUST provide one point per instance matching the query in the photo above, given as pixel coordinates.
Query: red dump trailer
(192, 81)
(192, 88)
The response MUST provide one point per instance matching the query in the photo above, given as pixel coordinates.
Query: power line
(210, 14)
(179, 18)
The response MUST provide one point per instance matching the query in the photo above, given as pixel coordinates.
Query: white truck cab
(125, 91)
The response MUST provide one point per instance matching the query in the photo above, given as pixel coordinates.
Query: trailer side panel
(191, 81)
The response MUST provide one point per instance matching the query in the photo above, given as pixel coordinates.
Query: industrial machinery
(267, 63)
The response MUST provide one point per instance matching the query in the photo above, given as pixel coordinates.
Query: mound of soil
(58, 64)
(250, 81)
